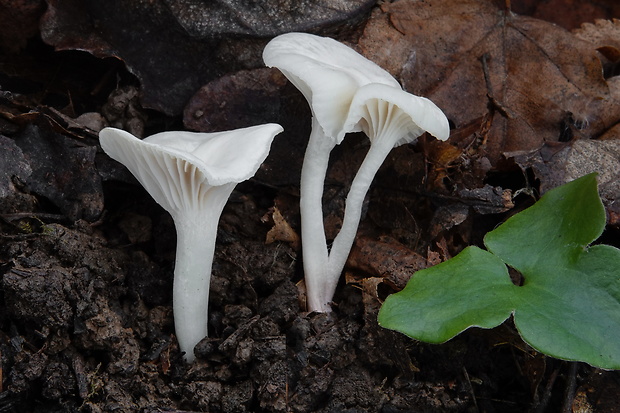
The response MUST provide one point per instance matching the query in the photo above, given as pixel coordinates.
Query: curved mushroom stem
(352, 214)
(192, 270)
(385, 124)
(315, 253)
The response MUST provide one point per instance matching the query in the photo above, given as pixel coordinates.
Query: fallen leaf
(580, 403)
(174, 47)
(441, 156)
(385, 258)
(605, 36)
(241, 99)
(536, 80)
(170, 65)
(576, 159)
(73, 185)
(263, 18)
(600, 33)
(251, 97)
(281, 230)
(14, 168)
(568, 13)
(122, 110)
(448, 216)
(19, 22)
(488, 199)
(586, 156)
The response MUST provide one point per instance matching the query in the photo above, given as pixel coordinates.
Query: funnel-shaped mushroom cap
(178, 168)
(386, 112)
(327, 72)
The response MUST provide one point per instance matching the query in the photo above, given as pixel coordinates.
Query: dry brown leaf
(18, 22)
(370, 288)
(560, 165)
(577, 159)
(441, 155)
(237, 100)
(605, 36)
(173, 47)
(567, 13)
(385, 258)
(281, 230)
(447, 216)
(488, 199)
(600, 33)
(540, 82)
(433, 257)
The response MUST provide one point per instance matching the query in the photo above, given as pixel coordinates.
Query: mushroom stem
(353, 211)
(192, 271)
(315, 253)
(385, 124)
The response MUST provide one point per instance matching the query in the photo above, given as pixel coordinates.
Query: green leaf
(557, 228)
(442, 301)
(569, 304)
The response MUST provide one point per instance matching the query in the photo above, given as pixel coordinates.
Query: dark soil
(86, 264)
(87, 325)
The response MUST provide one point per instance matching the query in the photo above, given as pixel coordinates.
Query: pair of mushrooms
(191, 175)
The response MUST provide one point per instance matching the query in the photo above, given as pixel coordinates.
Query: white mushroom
(389, 117)
(347, 93)
(191, 175)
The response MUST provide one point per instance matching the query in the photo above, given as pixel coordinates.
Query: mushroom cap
(327, 72)
(376, 106)
(178, 168)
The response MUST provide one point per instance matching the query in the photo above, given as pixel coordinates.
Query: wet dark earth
(87, 326)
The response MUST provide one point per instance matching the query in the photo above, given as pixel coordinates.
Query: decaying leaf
(576, 159)
(536, 80)
(13, 169)
(242, 99)
(385, 258)
(18, 22)
(448, 216)
(250, 97)
(281, 230)
(488, 199)
(605, 36)
(601, 33)
(73, 184)
(174, 47)
(170, 64)
(262, 18)
(585, 156)
(441, 156)
(122, 110)
(567, 13)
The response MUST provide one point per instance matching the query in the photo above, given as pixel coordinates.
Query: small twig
(495, 104)
(547, 394)
(80, 376)
(232, 340)
(471, 389)
(571, 387)
(37, 215)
